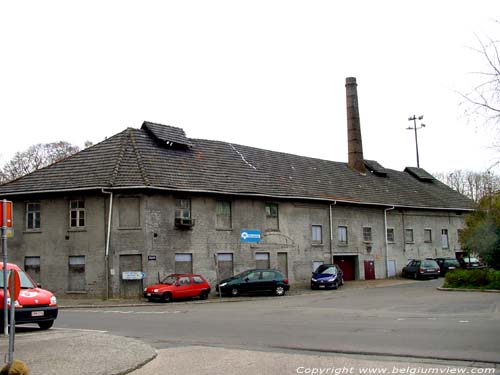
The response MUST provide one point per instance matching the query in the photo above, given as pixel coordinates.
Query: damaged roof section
(167, 135)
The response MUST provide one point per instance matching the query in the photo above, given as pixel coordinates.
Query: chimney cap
(350, 81)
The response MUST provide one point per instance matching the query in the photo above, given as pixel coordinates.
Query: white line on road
(79, 330)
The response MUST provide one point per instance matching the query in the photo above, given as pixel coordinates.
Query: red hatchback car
(178, 286)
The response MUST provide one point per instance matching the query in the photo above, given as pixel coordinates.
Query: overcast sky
(268, 74)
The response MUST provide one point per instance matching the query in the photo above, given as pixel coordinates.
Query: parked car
(178, 286)
(470, 262)
(255, 282)
(34, 304)
(446, 264)
(421, 269)
(327, 276)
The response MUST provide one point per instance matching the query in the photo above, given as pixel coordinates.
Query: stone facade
(144, 237)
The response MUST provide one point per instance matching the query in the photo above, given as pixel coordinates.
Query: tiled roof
(135, 159)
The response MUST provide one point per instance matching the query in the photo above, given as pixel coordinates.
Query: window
(390, 234)
(317, 234)
(427, 235)
(342, 234)
(183, 213)
(77, 214)
(409, 236)
(32, 268)
(32, 216)
(272, 216)
(444, 239)
(185, 280)
(223, 215)
(76, 274)
(224, 265)
(183, 263)
(197, 280)
(262, 260)
(268, 275)
(367, 234)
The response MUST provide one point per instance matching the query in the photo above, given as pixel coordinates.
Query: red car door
(183, 287)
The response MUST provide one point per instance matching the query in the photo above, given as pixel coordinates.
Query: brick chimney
(354, 144)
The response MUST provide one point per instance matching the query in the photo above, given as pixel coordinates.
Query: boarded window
(223, 214)
(409, 236)
(77, 214)
(76, 273)
(272, 216)
(32, 268)
(317, 234)
(262, 260)
(427, 235)
(224, 265)
(342, 234)
(183, 263)
(129, 212)
(283, 263)
(367, 234)
(33, 216)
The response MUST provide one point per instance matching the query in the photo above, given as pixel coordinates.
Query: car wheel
(280, 291)
(167, 297)
(342, 281)
(415, 276)
(204, 294)
(46, 325)
(403, 275)
(235, 292)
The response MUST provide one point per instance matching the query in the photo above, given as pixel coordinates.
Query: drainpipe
(331, 231)
(108, 238)
(386, 242)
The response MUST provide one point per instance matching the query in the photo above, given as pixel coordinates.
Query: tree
(474, 185)
(36, 157)
(481, 235)
(484, 98)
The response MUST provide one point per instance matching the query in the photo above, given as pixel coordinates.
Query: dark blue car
(327, 276)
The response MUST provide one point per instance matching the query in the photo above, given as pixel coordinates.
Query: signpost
(14, 283)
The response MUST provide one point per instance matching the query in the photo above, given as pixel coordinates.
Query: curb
(468, 290)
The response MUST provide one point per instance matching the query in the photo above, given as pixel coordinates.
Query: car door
(268, 281)
(183, 287)
(251, 283)
(413, 268)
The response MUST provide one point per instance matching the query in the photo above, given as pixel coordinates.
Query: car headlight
(145, 289)
(223, 284)
(16, 302)
(155, 290)
(332, 278)
(313, 279)
(53, 300)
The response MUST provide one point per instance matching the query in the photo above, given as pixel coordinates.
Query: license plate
(148, 294)
(37, 313)
(321, 286)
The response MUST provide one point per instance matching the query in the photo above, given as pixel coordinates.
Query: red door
(346, 264)
(369, 270)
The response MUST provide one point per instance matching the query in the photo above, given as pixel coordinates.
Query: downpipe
(108, 240)
(386, 242)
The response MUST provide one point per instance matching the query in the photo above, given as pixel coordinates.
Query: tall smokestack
(354, 143)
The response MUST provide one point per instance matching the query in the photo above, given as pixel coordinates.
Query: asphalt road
(407, 321)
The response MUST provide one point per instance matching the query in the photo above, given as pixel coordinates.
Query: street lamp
(415, 128)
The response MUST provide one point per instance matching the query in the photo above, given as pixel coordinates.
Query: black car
(421, 269)
(468, 262)
(447, 264)
(259, 281)
(327, 276)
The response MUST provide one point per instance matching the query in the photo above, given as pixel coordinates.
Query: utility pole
(415, 128)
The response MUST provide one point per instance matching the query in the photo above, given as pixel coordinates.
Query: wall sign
(250, 235)
(133, 275)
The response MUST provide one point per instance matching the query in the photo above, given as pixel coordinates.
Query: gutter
(108, 240)
(335, 201)
(386, 242)
(331, 229)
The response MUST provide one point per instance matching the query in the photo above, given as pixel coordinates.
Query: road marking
(125, 312)
(464, 321)
(78, 330)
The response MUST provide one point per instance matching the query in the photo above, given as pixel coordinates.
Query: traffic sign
(8, 205)
(14, 285)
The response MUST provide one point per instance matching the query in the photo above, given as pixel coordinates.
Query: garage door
(347, 265)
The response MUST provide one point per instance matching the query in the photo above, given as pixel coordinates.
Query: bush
(478, 278)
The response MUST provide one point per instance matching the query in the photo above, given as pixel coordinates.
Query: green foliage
(482, 233)
(472, 279)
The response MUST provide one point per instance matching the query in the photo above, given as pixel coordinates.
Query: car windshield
(26, 282)
(451, 262)
(471, 260)
(326, 269)
(429, 263)
(170, 279)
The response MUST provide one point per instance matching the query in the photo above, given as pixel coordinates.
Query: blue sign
(250, 235)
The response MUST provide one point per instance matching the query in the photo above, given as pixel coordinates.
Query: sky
(268, 74)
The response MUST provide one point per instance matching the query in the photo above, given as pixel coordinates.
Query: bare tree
(36, 157)
(475, 185)
(483, 100)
